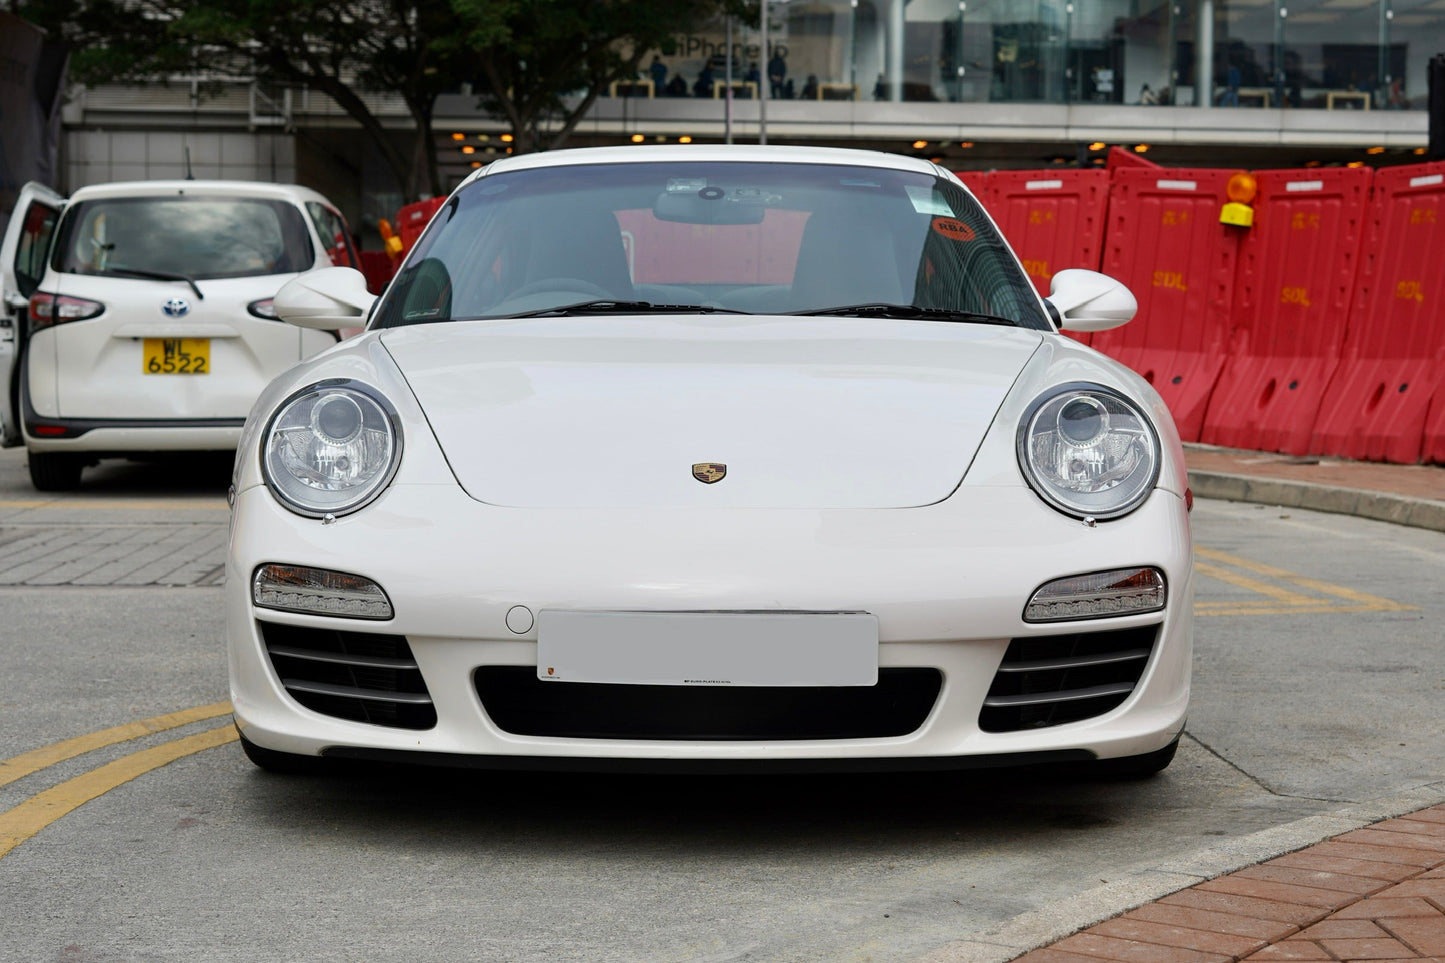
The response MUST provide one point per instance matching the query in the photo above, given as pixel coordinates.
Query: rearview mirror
(1090, 301)
(711, 205)
(328, 299)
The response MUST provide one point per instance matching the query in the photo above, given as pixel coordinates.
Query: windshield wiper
(611, 306)
(882, 309)
(158, 276)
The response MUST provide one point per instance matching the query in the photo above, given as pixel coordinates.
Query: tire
(1138, 767)
(55, 471)
(281, 763)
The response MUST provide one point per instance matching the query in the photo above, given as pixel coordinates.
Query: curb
(1380, 506)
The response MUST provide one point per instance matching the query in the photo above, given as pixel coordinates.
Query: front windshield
(189, 236)
(746, 237)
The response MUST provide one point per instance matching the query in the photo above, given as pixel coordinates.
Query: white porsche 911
(703, 458)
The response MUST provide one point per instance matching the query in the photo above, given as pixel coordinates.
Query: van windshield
(196, 237)
(755, 238)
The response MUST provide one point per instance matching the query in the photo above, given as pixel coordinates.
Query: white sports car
(704, 458)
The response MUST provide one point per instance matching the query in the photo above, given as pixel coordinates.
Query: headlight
(331, 448)
(1088, 451)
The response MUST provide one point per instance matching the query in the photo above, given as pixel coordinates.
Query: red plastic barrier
(378, 268)
(412, 219)
(1293, 288)
(976, 181)
(1120, 157)
(1165, 242)
(1434, 448)
(1376, 405)
(1053, 219)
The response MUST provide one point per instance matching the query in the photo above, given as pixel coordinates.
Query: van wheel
(55, 471)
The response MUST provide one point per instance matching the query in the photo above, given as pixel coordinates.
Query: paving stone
(1381, 949)
(1383, 909)
(1377, 837)
(1292, 950)
(1312, 859)
(1246, 906)
(1338, 929)
(1280, 892)
(1198, 919)
(1159, 934)
(1129, 951)
(1319, 879)
(1423, 934)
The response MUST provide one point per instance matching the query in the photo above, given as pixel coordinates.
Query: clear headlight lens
(1088, 451)
(331, 448)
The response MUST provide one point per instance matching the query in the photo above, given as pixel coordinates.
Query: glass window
(755, 238)
(334, 235)
(34, 244)
(194, 236)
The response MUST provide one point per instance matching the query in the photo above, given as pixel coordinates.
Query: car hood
(614, 412)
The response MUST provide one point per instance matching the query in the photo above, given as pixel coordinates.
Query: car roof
(283, 192)
(707, 152)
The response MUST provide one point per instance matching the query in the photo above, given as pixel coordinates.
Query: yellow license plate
(177, 356)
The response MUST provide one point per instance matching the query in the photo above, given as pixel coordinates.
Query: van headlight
(1088, 451)
(331, 448)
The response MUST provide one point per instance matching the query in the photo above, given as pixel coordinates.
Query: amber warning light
(1240, 190)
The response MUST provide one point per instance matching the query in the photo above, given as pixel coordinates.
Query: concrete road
(137, 831)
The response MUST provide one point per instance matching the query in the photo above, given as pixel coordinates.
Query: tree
(343, 49)
(543, 63)
(556, 57)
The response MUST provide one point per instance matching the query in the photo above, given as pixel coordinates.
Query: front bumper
(946, 582)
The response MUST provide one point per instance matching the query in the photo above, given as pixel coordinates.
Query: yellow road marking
(1252, 584)
(42, 809)
(35, 760)
(1338, 598)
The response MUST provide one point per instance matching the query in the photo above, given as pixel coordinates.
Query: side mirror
(331, 298)
(1090, 301)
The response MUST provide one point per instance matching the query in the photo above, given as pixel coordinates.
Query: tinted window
(760, 238)
(199, 237)
(34, 243)
(332, 228)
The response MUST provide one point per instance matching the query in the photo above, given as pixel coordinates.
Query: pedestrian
(777, 73)
(658, 70)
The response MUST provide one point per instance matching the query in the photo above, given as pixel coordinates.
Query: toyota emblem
(176, 308)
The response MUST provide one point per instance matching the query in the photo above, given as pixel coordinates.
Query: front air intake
(1051, 680)
(360, 676)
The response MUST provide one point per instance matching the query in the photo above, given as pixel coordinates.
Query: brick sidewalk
(1372, 894)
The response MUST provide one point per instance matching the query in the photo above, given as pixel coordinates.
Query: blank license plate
(176, 356)
(708, 648)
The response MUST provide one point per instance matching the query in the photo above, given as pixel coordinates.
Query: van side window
(334, 235)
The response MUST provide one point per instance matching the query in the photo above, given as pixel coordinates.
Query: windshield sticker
(927, 201)
(953, 229)
(416, 315)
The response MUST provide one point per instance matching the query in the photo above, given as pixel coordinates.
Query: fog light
(1122, 591)
(317, 591)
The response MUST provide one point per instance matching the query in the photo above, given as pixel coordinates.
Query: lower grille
(1055, 679)
(520, 703)
(360, 676)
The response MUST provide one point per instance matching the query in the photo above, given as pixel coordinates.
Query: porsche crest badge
(708, 472)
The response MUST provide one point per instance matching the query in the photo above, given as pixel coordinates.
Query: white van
(137, 316)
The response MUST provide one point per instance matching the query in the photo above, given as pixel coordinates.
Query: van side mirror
(1090, 301)
(328, 299)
